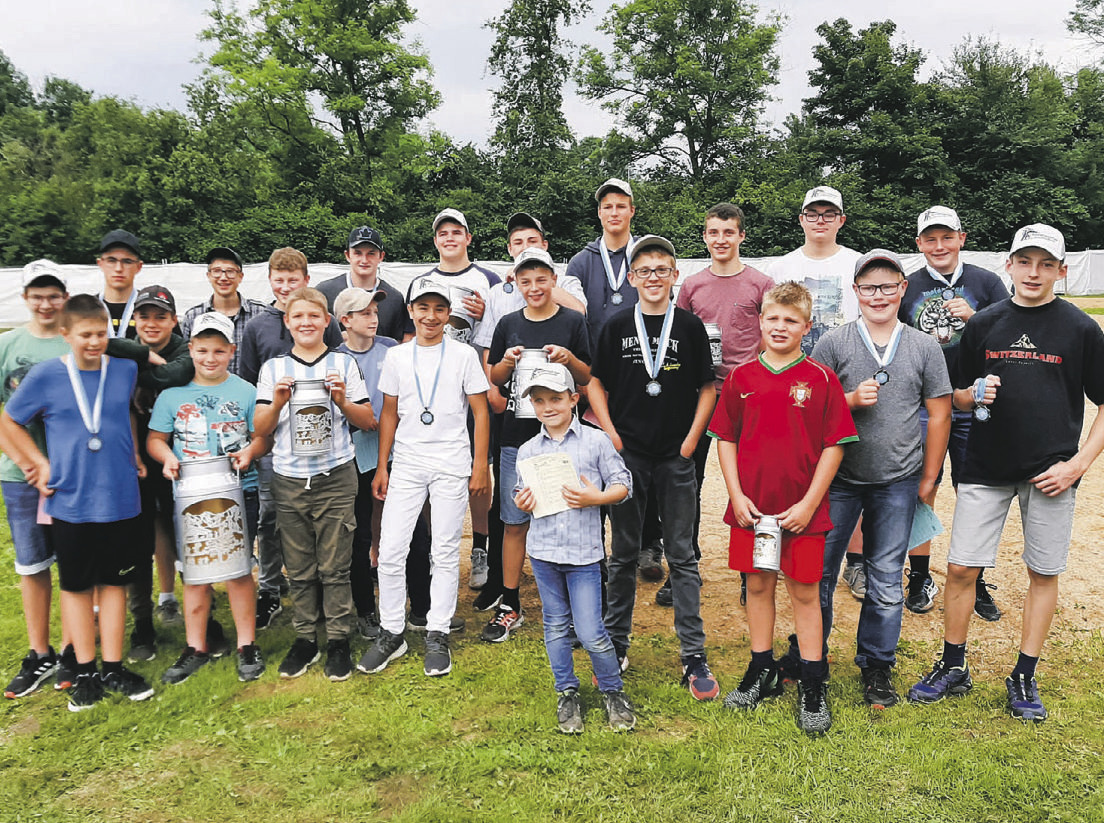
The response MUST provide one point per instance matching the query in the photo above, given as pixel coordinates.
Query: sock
(813, 671)
(954, 655)
(112, 666)
(981, 576)
(1025, 665)
(763, 660)
(479, 540)
(165, 597)
(511, 599)
(87, 668)
(919, 564)
(853, 559)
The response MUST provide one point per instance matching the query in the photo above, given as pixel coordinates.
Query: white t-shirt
(500, 303)
(829, 280)
(442, 445)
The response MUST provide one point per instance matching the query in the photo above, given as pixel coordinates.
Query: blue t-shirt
(207, 421)
(89, 487)
(366, 443)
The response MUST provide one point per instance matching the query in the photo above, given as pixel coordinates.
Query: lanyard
(436, 378)
(615, 283)
(124, 321)
(349, 284)
(883, 360)
(91, 417)
(653, 364)
(939, 278)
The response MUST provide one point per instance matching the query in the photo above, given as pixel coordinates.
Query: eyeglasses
(662, 273)
(888, 289)
(45, 298)
(224, 272)
(817, 216)
(120, 261)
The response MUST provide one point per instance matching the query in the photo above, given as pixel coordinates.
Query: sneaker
(419, 623)
(500, 626)
(143, 643)
(168, 613)
(789, 664)
(387, 647)
(368, 626)
(696, 674)
(813, 715)
(569, 712)
(86, 692)
(130, 685)
(743, 588)
(1023, 698)
(487, 600)
(189, 662)
(477, 578)
(855, 577)
(66, 669)
(984, 607)
(942, 681)
(664, 596)
(250, 664)
(268, 606)
(339, 663)
(878, 691)
(302, 655)
(32, 672)
(921, 593)
(757, 686)
(217, 644)
(651, 562)
(438, 657)
(619, 711)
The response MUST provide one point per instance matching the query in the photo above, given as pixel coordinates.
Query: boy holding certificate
(565, 547)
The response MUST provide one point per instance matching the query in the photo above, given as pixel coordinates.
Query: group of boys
(835, 401)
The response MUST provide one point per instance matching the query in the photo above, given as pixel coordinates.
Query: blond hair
(309, 295)
(287, 259)
(790, 294)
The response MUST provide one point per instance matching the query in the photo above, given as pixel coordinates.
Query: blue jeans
(887, 512)
(675, 487)
(574, 593)
(956, 446)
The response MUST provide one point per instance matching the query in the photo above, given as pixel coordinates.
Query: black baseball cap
(224, 253)
(156, 296)
(523, 220)
(121, 237)
(365, 234)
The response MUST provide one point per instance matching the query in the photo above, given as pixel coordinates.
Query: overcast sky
(144, 50)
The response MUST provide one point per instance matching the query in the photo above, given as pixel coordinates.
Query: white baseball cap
(214, 321)
(938, 216)
(44, 268)
(823, 194)
(427, 285)
(1040, 236)
(551, 376)
(533, 254)
(613, 184)
(454, 215)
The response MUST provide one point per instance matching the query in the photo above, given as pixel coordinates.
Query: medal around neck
(617, 298)
(653, 363)
(881, 377)
(653, 388)
(90, 416)
(94, 443)
(948, 294)
(508, 287)
(426, 417)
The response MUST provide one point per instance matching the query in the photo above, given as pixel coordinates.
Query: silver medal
(508, 288)
(948, 294)
(426, 417)
(653, 388)
(982, 413)
(881, 377)
(617, 299)
(94, 443)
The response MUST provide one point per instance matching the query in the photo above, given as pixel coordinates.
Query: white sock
(165, 597)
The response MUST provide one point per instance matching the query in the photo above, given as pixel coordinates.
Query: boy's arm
(176, 372)
(707, 399)
(480, 480)
(17, 443)
(797, 516)
(500, 372)
(389, 421)
(599, 404)
(495, 399)
(568, 300)
(743, 508)
(1065, 473)
(935, 446)
(157, 447)
(138, 464)
(580, 371)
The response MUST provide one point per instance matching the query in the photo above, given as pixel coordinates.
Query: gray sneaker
(368, 626)
(438, 657)
(619, 711)
(756, 686)
(478, 577)
(387, 647)
(855, 578)
(250, 664)
(813, 715)
(189, 662)
(651, 562)
(168, 613)
(569, 712)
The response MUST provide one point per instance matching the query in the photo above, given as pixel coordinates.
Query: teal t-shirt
(19, 350)
(207, 421)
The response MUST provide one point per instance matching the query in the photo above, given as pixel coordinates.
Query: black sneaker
(189, 662)
(128, 684)
(697, 676)
(368, 626)
(85, 692)
(757, 685)
(1023, 698)
(268, 606)
(35, 669)
(486, 600)
(302, 655)
(789, 664)
(619, 711)
(168, 613)
(387, 647)
(143, 642)
(67, 669)
(650, 566)
(339, 663)
(984, 607)
(569, 712)
(878, 691)
(418, 623)
(921, 593)
(438, 657)
(813, 715)
(217, 644)
(250, 664)
(664, 596)
(743, 588)
(499, 627)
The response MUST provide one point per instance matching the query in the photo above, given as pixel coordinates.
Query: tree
(15, 91)
(1087, 18)
(687, 79)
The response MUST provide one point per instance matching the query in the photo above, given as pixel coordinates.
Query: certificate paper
(546, 475)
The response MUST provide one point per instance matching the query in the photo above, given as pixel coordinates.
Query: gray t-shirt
(889, 447)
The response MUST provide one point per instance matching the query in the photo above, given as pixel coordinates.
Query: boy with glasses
(120, 261)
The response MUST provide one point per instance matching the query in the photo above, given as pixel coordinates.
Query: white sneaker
(855, 577)
(478, 577)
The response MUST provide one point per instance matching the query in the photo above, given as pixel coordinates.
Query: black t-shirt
(655, 426)
(1048, 358)
(394, 319)
(565, 328)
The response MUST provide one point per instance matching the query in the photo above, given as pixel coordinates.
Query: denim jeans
(887, 512)
(675, 488)
(574, 594)
(270, 553)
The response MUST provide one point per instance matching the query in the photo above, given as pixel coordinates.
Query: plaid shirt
(249, 309)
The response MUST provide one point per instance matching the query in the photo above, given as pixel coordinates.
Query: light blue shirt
(366, 443)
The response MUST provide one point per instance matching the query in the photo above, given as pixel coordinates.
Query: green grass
(481, 745)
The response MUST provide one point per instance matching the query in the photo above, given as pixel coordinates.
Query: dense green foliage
(308, 118)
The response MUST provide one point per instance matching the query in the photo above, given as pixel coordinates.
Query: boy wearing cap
(364, 254)
(224, 273)
(44, 293)
(561, 334)
(566, 548)
(1025, 366)
(83, 401)
(654, 361)
(941, 298)
(120, 260)
(428, 384)
(211, 416)
(889, 371)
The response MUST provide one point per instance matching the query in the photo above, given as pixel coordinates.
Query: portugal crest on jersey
(800, 392)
